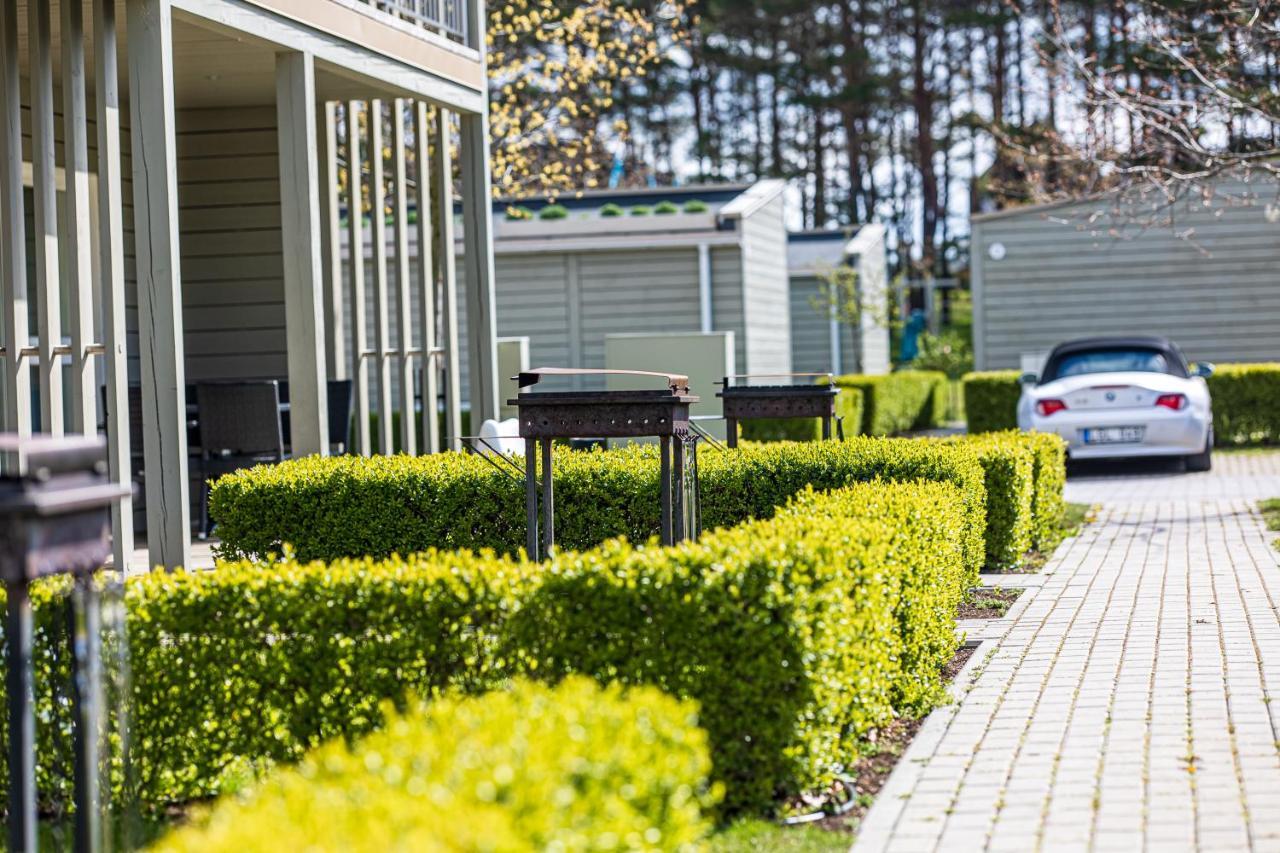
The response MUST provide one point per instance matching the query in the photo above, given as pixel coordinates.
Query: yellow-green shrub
(896, 402)
(1009, 464)
(1246, 403)
(991, 400)
(796, 635)
(1050, 475)
(530, 768)
(327, 508)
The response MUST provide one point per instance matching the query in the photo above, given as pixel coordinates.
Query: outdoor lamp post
(55, 500)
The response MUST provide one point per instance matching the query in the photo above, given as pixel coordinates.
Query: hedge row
(530, 768)
(797, 635)
(848, 413)
(1246, 402)
(327, 508)
(1009, 465)
(991, 400)
(897, 402)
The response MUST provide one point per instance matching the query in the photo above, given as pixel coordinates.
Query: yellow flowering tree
(555, 69)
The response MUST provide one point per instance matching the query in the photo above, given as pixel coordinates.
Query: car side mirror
(1204, 369)
(1028, 379)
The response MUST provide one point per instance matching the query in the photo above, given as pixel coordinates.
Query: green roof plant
(515, 213)
(695, 205)
(554, 211)
(610, 210)
(641, 210)
(666, 208)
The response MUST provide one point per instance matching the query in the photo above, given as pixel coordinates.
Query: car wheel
(1202, 461)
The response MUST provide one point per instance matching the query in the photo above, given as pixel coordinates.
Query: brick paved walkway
(1128, 704)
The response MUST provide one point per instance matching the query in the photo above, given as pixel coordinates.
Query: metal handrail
(448, 16)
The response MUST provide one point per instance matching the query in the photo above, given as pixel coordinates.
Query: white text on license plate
(1113, 435)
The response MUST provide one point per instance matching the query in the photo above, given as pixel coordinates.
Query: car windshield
(1111, 361)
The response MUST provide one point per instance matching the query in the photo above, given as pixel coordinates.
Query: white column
(336, 354)
(482, 309)
(44, 240)
(111, 271)
(355, 252)
(447, 280)
(155, 220)
(381, 307)
(426, 281)
(300, 239)
(404, 303)
(13, 244)
(79, 272)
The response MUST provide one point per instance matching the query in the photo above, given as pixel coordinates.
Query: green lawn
(749, 836)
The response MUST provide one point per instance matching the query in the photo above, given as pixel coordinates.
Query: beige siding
(767, 301)
(1217, 292)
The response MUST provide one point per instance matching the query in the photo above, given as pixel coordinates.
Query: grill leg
(85, 697)
(677, 508)
(548, 501)
(531, 497)
(731, 431)
(826, 427)
(665, 488)
(22, 723)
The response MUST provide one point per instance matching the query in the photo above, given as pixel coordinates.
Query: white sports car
(1122, 397)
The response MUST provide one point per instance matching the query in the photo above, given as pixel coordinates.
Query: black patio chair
(239, 428)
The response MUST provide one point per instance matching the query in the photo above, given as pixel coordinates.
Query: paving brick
(1127, 705)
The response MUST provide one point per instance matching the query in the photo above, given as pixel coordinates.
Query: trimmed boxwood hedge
(1246, 403)
(575, 767)
(897, 402)
(797, 635)
(1009, 465)
(991, 400)
(326, 508)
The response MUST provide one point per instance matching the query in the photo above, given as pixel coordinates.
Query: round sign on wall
(996, 251)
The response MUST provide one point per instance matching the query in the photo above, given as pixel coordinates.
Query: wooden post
(482, 336)
(300, 238)
(44, 240)
(426, 282)
(336, 353)
(382, 327)
(13, 244)
(355, 253)
(404, 301)
(111, 272)
(447, 264)
(79, 272)
(155, 213)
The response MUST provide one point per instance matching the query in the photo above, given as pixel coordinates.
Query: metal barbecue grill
(745, 402)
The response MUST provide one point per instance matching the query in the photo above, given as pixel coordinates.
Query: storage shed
(820, 340)
(686, 259)
(1210, 280)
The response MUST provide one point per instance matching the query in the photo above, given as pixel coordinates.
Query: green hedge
(1246, 403)
(900, 401)
(991, 400)
(797, 635)
(326, 508)
(848, 412)
(576, 767)
(1009, 465)
(1049, 505)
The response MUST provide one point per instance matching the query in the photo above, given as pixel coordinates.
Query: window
(1111, 361)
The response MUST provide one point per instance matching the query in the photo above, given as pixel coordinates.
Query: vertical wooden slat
(426, 281)
(45, 216)
(355, 252)
(79, 272)
(160, 341)
(111, 273)
(337, 352)
(404, 303)
(300, 241)
(13, 243)
(447, 278)
(381, 300)
(477, 231)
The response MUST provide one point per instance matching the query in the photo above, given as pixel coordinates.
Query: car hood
(1161, 383)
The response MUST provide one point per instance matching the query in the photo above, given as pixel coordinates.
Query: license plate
(1114, 435)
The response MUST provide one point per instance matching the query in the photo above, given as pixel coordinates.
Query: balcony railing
(448, 17)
